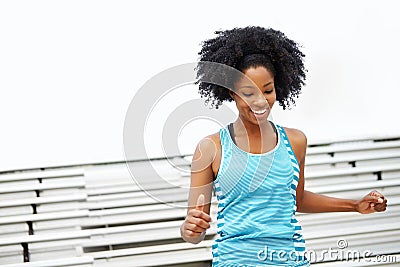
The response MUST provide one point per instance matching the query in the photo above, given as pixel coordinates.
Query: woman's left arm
(307, 201)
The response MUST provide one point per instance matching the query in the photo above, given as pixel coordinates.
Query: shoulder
(298, 141)
(296, 137)
(206, 153)
(214, 137)
(211, 141)
(209, 145)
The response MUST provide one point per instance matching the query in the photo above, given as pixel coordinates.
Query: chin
(257, 122)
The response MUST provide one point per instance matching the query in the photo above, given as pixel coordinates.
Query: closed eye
(269, 91)
(247, 95)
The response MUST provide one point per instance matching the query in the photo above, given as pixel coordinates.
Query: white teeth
(260, 111)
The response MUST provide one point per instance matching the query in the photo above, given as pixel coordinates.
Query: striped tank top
(256, 195)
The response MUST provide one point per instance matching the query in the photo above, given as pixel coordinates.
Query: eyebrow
(251, 87)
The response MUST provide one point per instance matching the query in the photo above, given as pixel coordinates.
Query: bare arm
(372, 202)
(310, 202)
(198, 217)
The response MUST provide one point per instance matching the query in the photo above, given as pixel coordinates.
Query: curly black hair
(252, 46)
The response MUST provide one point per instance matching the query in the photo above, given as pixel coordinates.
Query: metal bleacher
(95, 215)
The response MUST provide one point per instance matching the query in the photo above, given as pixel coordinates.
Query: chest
(242, 174)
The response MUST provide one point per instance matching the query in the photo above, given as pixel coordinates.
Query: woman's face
(254, 99)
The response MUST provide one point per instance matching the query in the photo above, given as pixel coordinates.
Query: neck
(251, 129)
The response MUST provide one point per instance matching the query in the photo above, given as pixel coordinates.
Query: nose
(260, 101)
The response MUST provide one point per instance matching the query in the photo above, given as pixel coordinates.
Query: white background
(69, 69)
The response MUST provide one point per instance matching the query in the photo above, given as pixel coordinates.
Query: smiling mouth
(259, 112)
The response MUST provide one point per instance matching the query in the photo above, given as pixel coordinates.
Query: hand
(373, 202)
(197, 221)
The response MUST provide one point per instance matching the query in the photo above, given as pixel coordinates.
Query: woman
(255, 166)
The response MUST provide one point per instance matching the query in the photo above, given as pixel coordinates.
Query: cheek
(240, 103)
(271, 100)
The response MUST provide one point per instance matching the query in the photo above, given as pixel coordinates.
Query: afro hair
(241, 48)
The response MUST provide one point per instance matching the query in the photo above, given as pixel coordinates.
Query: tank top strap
(224, 136)
(289, 147)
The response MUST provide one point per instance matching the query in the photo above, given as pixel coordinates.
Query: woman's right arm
(198, 218)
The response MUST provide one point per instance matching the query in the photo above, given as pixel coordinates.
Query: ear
(232, 94)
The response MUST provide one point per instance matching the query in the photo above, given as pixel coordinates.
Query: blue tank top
(256, 194)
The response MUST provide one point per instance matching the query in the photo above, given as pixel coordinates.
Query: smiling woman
(254, 103)
(255, 166)
(263, 89)
(243, 48)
